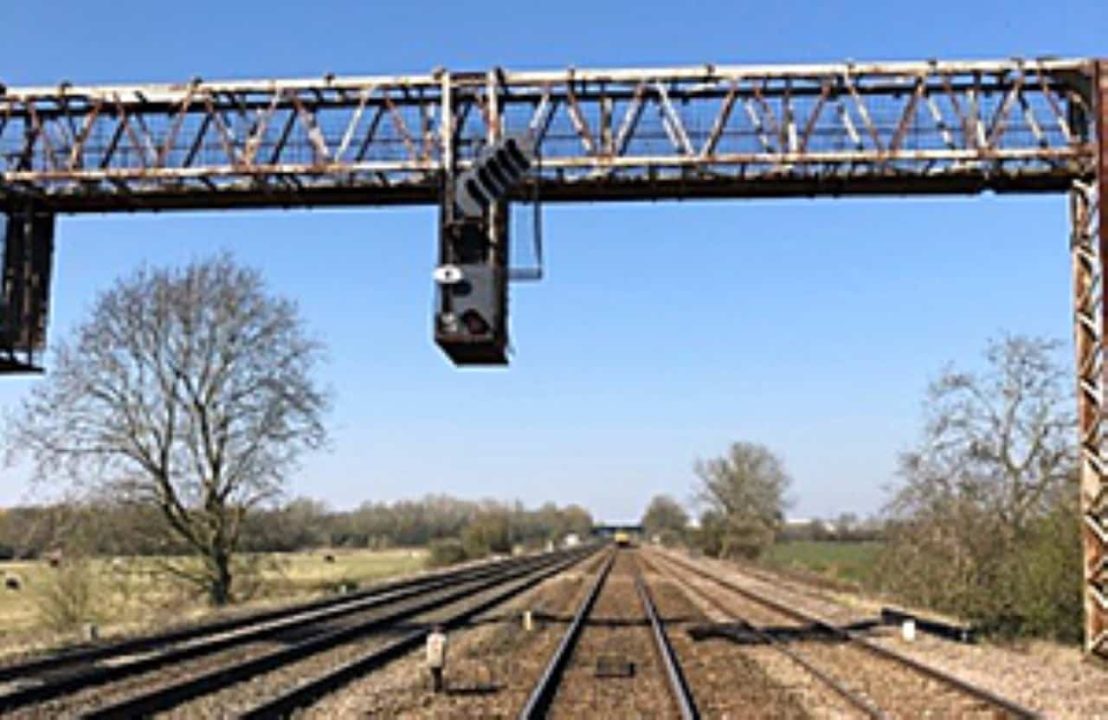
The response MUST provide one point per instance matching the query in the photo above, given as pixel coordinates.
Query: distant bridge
(608, 530)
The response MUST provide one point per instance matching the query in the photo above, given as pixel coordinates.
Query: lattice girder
(666, 132)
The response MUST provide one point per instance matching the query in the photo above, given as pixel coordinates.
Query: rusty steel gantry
(709, 131)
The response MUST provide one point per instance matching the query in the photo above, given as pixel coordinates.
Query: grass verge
(847, 562)
(131, 594)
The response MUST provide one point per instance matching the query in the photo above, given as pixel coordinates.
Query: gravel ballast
(1053, 679)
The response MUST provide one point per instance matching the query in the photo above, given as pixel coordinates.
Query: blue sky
(664, 331)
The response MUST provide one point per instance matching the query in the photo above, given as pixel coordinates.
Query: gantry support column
(27, 251)
(1089, 247)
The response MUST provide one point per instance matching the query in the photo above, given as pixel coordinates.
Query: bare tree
(1001, 439)
(744, 492)
(976, 527)
(189, 390)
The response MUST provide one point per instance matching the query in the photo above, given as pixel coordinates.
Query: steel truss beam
(708, 131)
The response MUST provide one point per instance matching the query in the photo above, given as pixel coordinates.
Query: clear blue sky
(665, 330)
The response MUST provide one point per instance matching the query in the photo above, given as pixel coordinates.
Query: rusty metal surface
(705, 131)
(1089, 248)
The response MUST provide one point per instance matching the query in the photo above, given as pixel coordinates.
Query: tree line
(118, 529)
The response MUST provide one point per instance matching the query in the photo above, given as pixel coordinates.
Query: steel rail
(542, 695)
(146, 643)
(966, 688)
(175, 694)
(311, 691)
(215, 642)
(856, 700)
(678, 684)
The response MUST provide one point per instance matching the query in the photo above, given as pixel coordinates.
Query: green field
(850, 562)
(133, 594)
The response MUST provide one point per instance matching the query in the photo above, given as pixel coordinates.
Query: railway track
(615, 658)
(874, 681)
(619, 656)
(168, 670)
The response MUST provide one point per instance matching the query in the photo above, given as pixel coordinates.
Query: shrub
(1046, 577)
(64, 597)
(1009, 584)
(487, 533)
(445, 552)
(708, 538)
